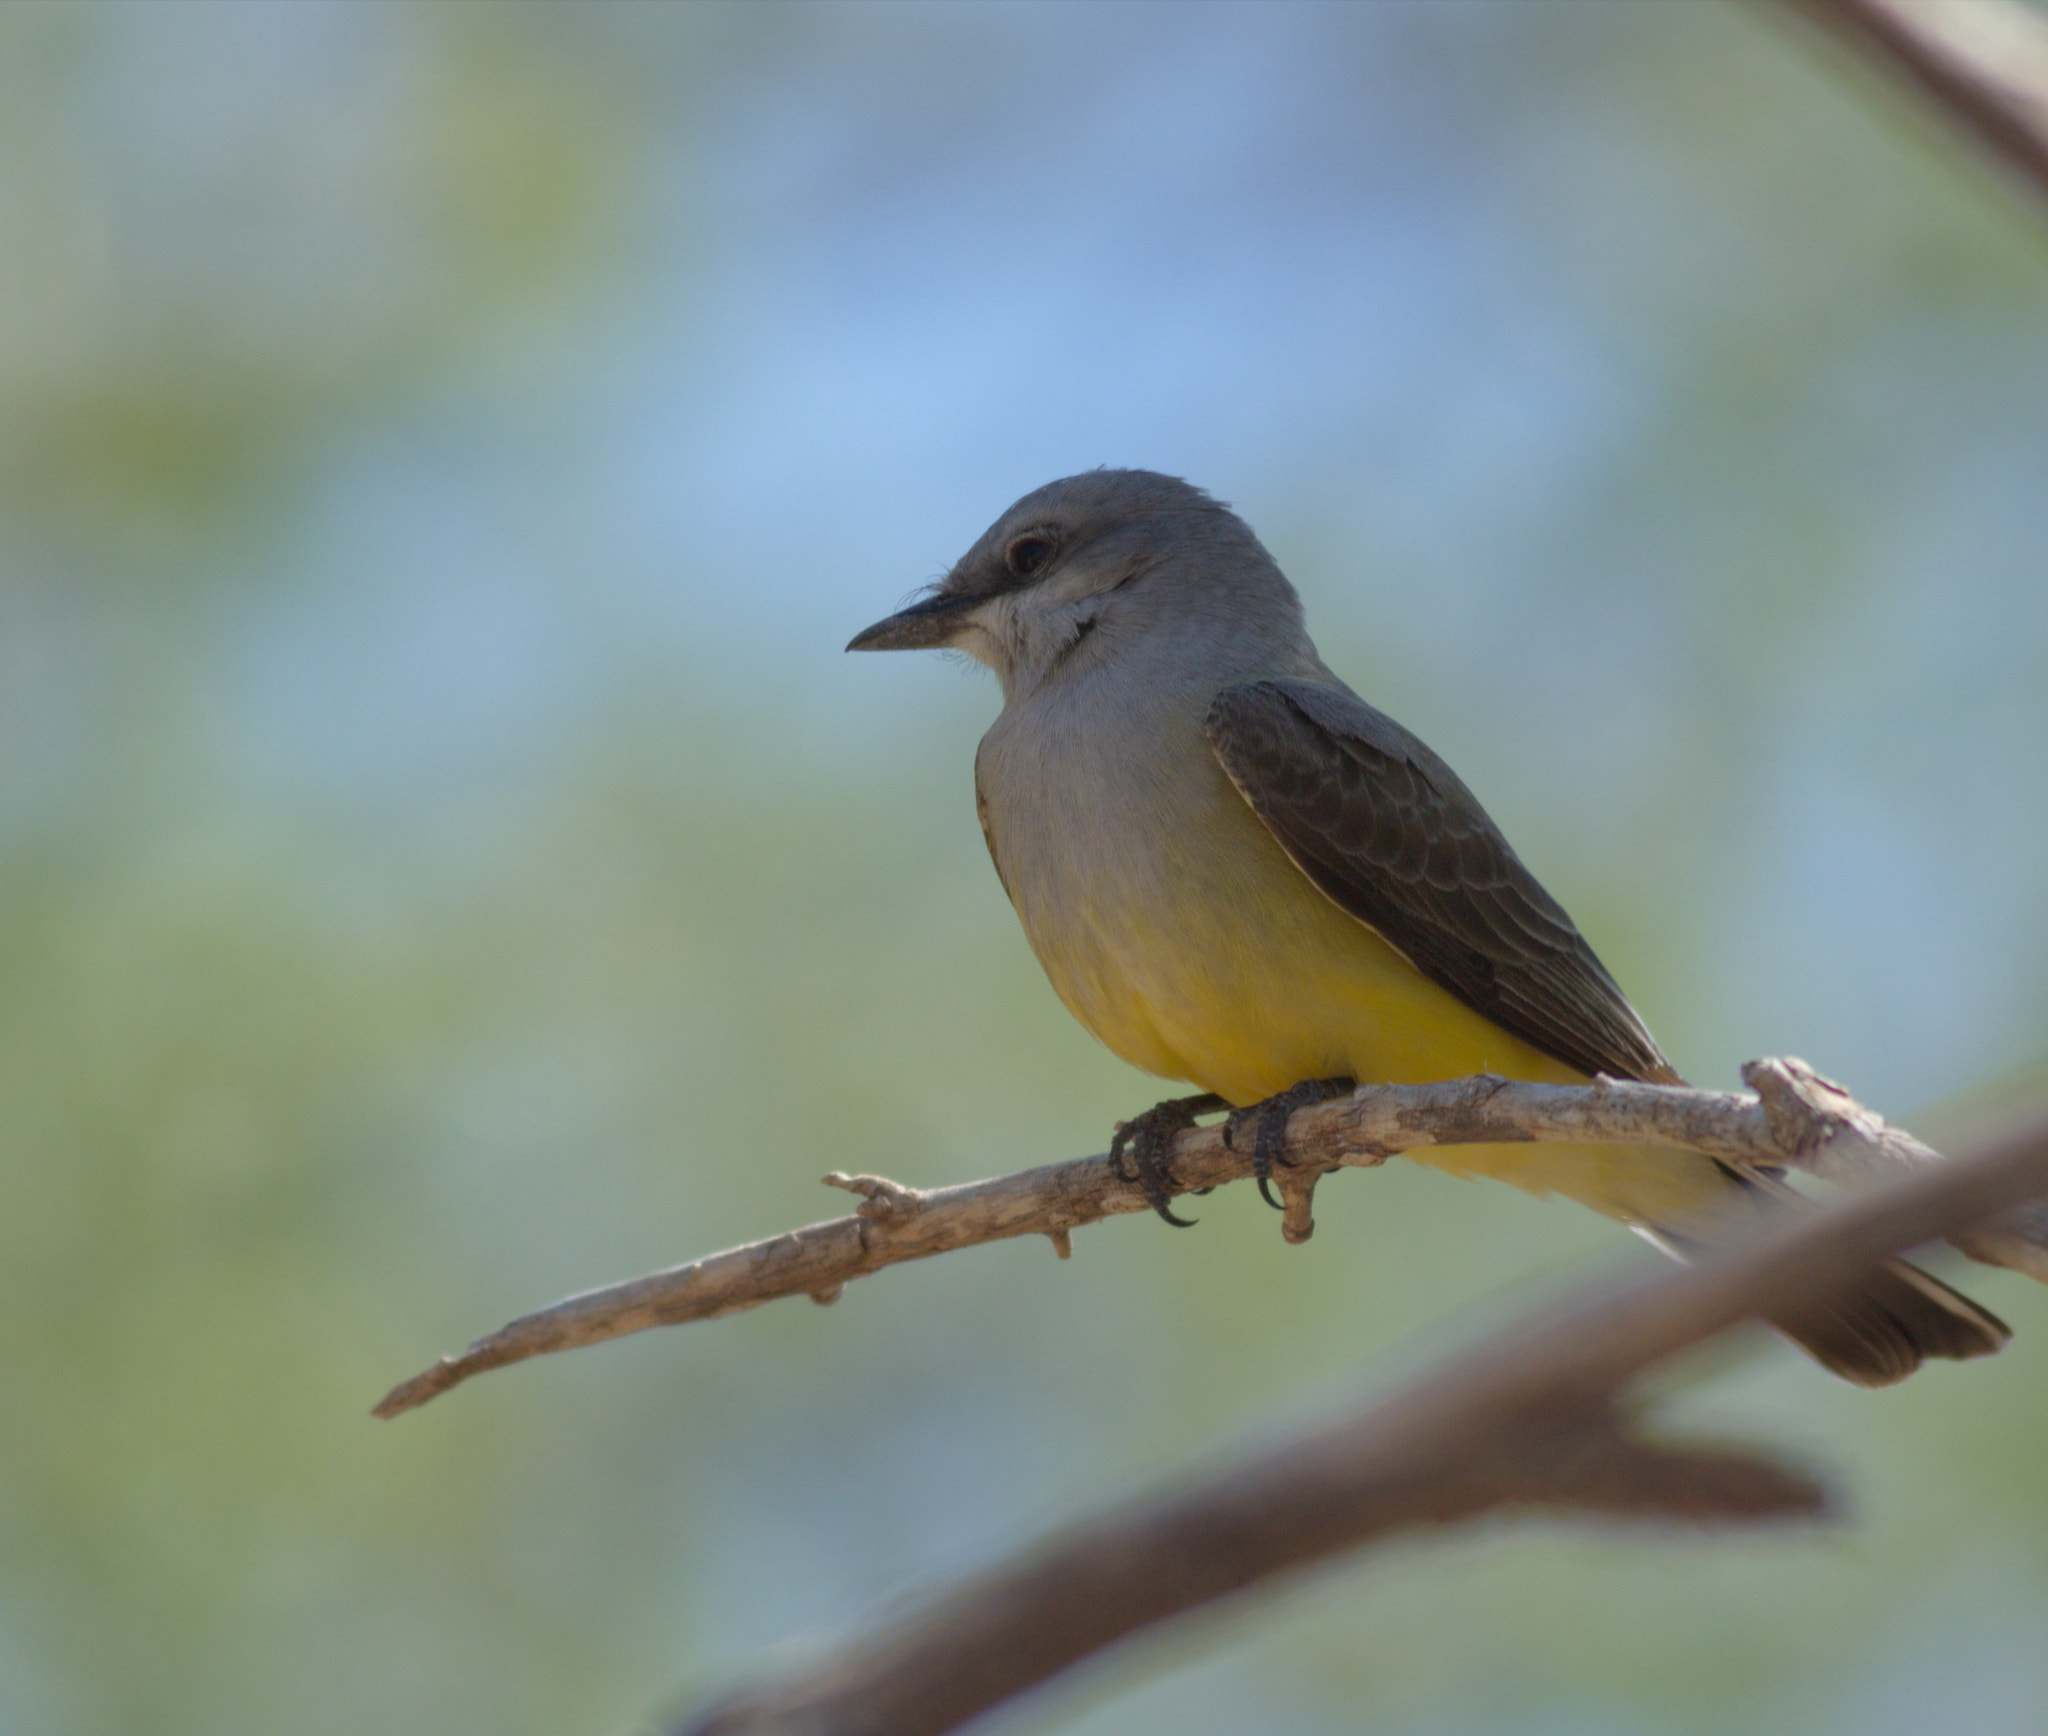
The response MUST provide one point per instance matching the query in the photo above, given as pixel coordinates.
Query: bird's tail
(1882, 1328)
(1894, 1319)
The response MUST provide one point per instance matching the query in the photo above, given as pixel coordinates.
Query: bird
(1238, 874)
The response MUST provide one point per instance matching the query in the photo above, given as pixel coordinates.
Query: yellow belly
(1253, 984)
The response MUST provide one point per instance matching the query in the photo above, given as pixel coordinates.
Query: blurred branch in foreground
(1796, 1118)
(1525, 1419)
(1983, 63)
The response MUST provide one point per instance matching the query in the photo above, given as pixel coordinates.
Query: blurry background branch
(1982, 63)
(1524, 1419)
(1797, 1118)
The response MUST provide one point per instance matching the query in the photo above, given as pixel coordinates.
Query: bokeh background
(446, 861)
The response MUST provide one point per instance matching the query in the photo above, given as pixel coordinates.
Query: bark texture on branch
(1797, 1118)
(1524, 1419)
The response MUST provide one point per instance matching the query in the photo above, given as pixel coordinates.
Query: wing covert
(1388, 832)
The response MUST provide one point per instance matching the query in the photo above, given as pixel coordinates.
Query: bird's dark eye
(1029, 553)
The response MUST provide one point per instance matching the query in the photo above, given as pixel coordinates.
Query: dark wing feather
(988, 836)
(1388, 832)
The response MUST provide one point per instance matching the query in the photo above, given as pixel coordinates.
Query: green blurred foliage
(286, 238)
(307, 1079)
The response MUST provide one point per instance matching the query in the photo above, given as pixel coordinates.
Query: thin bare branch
(1823, 1130)
(1981, 63)
(1522, 1419)
(1800, 1118)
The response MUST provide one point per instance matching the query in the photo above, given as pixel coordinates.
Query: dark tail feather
(1893, 1320)
(1884, 1328)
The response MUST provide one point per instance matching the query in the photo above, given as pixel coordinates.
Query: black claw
(1149, 1139)
(1269, 1120)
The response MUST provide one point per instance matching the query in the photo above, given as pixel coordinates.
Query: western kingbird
(1238, 873)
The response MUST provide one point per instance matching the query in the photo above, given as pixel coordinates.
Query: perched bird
(1238, 873)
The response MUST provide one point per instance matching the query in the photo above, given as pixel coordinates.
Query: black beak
(920, 627)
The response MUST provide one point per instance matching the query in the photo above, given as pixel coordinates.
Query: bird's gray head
(1086, 568)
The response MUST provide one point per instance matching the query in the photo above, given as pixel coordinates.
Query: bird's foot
(1149, 1139)
(1268, 1121)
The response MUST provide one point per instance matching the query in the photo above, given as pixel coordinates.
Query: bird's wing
(988, 836)
(1390, 835)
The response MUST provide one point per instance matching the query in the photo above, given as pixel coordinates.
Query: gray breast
(1094, 799)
